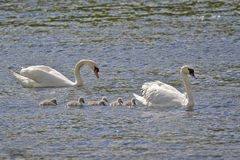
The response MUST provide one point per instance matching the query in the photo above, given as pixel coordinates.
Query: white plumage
(44, 76)
(160, 94)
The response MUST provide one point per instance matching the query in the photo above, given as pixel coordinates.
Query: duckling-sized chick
(102, 102)
(131, 102)
(78, 103)
(119, 102)
(48, 102)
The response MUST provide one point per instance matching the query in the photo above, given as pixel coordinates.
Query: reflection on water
(132, 43)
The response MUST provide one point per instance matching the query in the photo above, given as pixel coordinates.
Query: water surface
(132, 43)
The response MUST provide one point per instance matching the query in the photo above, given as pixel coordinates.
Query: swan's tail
(26, 82)
(16, 75)
(140, 99)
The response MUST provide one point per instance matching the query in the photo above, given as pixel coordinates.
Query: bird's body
(102, 102)
(161, 94)
(79, 103)
(48, 102)
(118, 102)
(45, 76)
(131, 102)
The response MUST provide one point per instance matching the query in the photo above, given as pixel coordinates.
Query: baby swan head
(81, 100)
(102, 103)
(54, 101)
(133, 101)
(120, 100)
(186, 69)
(104, 99)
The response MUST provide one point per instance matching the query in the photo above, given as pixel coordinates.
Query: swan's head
(94, 67)
(96, 71)
(92, 64)
(104, 99)
(81, 100)
(120, 100)
(186, 69)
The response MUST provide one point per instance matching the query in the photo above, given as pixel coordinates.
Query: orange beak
(96, 73)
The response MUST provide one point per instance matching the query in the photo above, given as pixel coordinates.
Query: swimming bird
(131, 102)
(160, 94)
(118, 102)
(48, 102)
(79, 103)
(102, 102)
(44, 76)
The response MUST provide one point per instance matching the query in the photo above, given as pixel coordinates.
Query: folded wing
(161, 94)
(45, 75)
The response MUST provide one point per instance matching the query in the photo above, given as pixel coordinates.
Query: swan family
(156, 93)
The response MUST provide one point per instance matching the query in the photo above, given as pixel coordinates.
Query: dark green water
(132, 42)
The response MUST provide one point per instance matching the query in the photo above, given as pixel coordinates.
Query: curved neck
(78, 79)
(186, 82)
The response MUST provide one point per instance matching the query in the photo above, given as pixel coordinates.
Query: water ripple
(132, 43)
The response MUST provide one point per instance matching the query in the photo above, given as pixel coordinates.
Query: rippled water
(132, 42)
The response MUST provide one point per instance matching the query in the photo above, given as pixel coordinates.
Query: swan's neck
(78, 79)
(186, 82)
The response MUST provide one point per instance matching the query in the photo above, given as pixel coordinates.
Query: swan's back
(45, 75)
(160, 94)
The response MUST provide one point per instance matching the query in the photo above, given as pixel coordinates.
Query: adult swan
(160, 94)
(44, 76)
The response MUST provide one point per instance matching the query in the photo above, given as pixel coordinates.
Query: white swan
(160, 94)
(44, 76)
